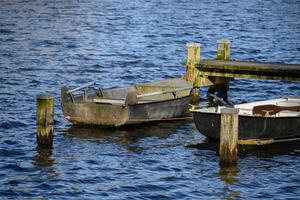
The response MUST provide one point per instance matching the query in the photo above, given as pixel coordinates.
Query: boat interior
(286, 107)
(140, 93)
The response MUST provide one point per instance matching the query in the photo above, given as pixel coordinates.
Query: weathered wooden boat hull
(88, 112)
(94, 114)
(118, 115)
(250, 127)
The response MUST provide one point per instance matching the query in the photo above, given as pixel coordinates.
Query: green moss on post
(223, 53)
(196, 96)
(223, 49)
(44, 120)
(192, 58)
(193, 54)
(228, 136)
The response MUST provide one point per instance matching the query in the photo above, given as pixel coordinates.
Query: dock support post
(228, 136)
(192, 58)
(223, 53)
(223, 49)
(44, 120)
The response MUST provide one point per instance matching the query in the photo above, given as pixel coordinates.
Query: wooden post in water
(223, 53)
(44, 120)
(223, 49)
(228, 136)
(192, 58)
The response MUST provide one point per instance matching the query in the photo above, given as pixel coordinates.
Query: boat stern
(79, 112)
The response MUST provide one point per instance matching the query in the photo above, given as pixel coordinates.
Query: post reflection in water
(43, 158)
(250, 160)
(229, 174)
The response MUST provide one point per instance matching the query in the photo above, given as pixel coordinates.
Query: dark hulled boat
(272, 119)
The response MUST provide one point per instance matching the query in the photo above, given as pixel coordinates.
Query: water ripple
(12, 123)
(118, 43)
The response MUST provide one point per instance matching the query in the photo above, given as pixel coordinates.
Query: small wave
(6, 31)
(71, 46)
(98, 66)
(14, 167)
(93, 71)
(294, 88)
(83, 57)
(8, 193)
(7, 54)
(34, 81)
(133, 61)
(128, 77)
(12, 123)
(150, 36)
(51, 42)
(10, 142)
(144, 188)
(11, 152)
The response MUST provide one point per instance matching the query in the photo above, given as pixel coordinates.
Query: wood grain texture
(44, 120)
(249, 69)
(228, 136)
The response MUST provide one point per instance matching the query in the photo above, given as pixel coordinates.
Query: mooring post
(223, 53)
(223, 49)
(44, 120)
(192, 58)
(228, 136)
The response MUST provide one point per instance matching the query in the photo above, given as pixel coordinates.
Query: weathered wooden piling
(193, 53)
(223, 49)
(223, 53)
(228, 136)
(44, 120)
(192, 58)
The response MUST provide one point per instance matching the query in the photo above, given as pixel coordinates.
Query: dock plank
(249, 69)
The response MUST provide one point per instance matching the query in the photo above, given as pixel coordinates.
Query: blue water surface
(46, 44)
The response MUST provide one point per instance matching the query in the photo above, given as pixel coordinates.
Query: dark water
(44, 44)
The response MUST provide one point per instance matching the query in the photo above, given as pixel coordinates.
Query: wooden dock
(217, 73)
(247, 69)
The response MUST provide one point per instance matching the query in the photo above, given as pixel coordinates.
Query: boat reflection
(126, 136)
(260, 151)
(270, 150)
(231, 175)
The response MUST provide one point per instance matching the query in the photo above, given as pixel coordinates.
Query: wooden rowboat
(160, 100)
(271, 119)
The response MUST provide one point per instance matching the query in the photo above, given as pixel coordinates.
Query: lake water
(45, 44)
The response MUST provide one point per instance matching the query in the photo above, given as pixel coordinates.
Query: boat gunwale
(249, 116)
(128, 107)
(122, 105)
(249, 107)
